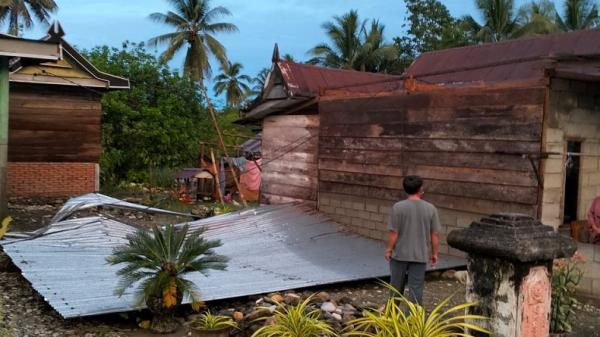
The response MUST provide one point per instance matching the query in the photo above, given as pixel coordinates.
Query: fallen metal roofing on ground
(271, 248)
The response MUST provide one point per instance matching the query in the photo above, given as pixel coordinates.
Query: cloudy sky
(294, 24)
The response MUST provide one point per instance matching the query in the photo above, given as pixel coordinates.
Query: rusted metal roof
(310, 80)
(271, 248)
(523, 59)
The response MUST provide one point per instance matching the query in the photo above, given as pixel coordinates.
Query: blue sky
(294, 24)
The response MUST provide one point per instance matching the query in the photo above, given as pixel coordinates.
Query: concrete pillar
(509, 267)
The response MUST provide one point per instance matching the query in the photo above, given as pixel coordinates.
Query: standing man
(413, 227)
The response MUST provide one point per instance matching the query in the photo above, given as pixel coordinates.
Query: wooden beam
(4, 84)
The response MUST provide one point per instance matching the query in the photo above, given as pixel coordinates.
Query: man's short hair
(412, 184)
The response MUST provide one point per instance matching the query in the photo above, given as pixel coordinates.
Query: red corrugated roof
(511, 60)
(309, 80)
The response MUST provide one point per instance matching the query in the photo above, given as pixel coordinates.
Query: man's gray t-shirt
(414, 220)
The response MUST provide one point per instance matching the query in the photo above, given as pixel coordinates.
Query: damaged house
(506, 127)
(55, 123)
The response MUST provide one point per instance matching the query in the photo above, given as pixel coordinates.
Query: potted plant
(295, 321)
(566, 276)
(210, 325)
(157, 262)
(400, 317)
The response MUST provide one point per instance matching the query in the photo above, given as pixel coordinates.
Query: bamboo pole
(217, 177)
(223, 146)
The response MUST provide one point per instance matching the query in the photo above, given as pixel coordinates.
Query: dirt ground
(28, 315)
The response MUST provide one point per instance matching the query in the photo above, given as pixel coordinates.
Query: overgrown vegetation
(157, 263)
(154, 127)
(565, 278)
(296, 321)
(400, 317)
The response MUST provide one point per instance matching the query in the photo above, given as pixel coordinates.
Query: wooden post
(4, 84)
(221, 141)
(217, 177)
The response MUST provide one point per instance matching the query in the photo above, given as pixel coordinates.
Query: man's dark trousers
(416, 278)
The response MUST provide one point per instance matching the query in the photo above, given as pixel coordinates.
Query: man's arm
(435, 240)
(391, 243)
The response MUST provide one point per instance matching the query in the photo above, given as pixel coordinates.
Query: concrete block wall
(369, 217)
(30, 179)
(573, 113)
(590, 283)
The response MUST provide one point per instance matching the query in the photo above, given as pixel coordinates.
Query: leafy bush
(157, 123)
(296, 321)
(396, 321)
(565, 278)
(158, 262)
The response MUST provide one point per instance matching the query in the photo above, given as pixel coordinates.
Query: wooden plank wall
(54, 124)
(452, 138)
(289, 150)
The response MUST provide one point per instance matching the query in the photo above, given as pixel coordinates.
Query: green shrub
(396, 321)
(296, 321)
(565, 278)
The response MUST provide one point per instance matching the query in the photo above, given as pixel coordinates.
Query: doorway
(572, 170)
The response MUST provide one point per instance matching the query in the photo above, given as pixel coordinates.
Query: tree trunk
(163, 319)
(164, 322)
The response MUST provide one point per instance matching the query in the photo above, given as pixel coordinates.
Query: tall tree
(499, 20)
(375, 54)
(353, 45)
(429, 27)
(537, 16)
(195, 27)
(259, 81)
(344, 34)
(236, 86)
(577, 15)
(21, 12)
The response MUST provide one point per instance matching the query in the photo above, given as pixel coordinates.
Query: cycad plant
(296, 321)
(400, 317)
(156, 263)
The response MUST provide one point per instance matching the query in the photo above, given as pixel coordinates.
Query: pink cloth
(251, 176)
(593, 217)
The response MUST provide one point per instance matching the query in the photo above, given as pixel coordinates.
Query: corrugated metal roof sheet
(309, 80)
(253, 144)
(511, 60)
(272, 248)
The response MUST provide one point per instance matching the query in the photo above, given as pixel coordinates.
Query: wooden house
(55, 123)
(288, 110)
(506, 127)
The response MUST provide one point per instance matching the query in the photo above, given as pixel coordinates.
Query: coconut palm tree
(354, 46)
(343, 51)
(235, 85)
(194, 27)
(375, 55)
(500, 21)
(157, 262)
(19, 13)
(289, 58)
(259, 81)
(536, 17)
(577, 15)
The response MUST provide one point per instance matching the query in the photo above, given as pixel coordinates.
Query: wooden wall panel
(290, 159)
(466, 143)
(54, 124)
